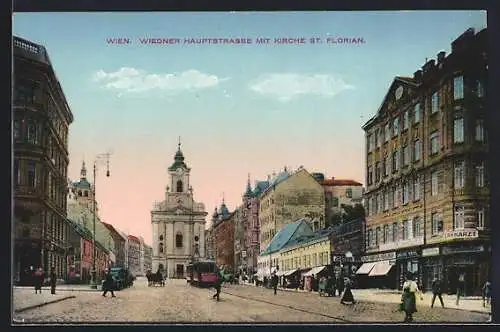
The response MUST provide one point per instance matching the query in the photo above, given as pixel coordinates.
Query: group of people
(39, 279)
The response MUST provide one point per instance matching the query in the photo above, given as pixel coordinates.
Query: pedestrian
(109, 284)
(38, 278)
(274, 280)
(408, 299)
(347, 297)
(53, 280)
(486, 292)
(437, 291)
(460, 286)
(218, 285)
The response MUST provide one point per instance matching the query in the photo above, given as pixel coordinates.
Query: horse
(156, 279)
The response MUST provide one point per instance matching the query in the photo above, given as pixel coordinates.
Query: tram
(202, 273)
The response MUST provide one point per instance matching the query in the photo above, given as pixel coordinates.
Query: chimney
(417, 76)
(440, 56)
(428, 65)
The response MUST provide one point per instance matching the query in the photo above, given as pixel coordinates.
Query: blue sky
(307, 104)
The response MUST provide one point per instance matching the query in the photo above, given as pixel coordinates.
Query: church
(178, 223)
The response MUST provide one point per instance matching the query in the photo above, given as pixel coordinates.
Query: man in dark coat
(109, 284)
(437, 291)
(218, 285)
(38, 277)
(274, 280)
(53, 280)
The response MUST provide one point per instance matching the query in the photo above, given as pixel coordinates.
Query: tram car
(202, 273)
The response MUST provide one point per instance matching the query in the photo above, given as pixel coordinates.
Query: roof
(178, 160)
(282, 237)
(302, 240)
(111, 228)
(260, 186)
(85, 233)
(282, 176)
(340, 182)
(134, 238)
(83, 184)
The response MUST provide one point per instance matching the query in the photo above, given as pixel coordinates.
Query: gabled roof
(282, 238)
(134, 238)
(260, 187)
(303, 240)
(282, 176)
(340, 182)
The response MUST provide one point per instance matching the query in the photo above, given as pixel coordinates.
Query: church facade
(178, 223)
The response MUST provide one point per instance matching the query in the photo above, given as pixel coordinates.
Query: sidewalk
(473, 303)
(26, 299)
(64, 288)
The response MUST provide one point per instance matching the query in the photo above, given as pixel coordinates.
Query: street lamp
(102, 157)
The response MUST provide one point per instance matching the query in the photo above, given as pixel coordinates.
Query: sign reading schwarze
(463, 234)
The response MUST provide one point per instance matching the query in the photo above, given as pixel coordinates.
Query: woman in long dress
(347, 297)
(409, 299)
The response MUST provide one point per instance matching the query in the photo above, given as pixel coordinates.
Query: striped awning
(365, 268)
(314, 270)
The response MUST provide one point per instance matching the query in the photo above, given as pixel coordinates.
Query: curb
(64, 289)
(43, 304)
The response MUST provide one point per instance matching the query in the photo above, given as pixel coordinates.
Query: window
(31, 174)
(179, 186)
(376, 138)
(395, 232)
(479, 89)
(459, 178)
(395, 161)
(377, 171)
(335, 201)
(370, 238)
(161, 237)
(379, 203)
(416, 150)
(396, 196)
(434, 183)
(405, 230)
(377, 232)
(387, 234)
(32, 133)
(369, 180)
(480, 218)
(24, 92)
(387, 166)
(406, 192)
(416, 113)
(434, 142)
(386, 200)
(435, 103)
(458, 87)
(480, 130)
(17, 172)
(160, 248)
(17, 130)
(395, 127)
(480, 175)
(459, 220)
(387, 130)
(416, 188)
(178, 241)
(417, 227)
(406, 120)
(458, 130)
(406, 155)
(381, 137)
(391, 198)
(437, 224)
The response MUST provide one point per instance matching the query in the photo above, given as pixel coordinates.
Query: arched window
(86, 193)
(80, 193)
(179, 186)
(161, 237)
(178, 240)
(160, 248)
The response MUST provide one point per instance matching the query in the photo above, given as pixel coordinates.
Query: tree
(348, 213)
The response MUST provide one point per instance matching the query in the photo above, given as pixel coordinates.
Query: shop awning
(365, 268)
(280, 273)
(314, 270)
(289, 272)
(380, 269)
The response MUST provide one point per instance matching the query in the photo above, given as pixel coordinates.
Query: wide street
(179, 302)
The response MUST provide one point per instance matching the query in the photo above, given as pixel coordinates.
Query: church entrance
(179, 271)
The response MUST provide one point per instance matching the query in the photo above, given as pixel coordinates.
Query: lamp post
(99, 158)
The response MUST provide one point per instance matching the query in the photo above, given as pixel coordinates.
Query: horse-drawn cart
(155, 279)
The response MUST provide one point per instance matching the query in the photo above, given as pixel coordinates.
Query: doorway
(179, 271)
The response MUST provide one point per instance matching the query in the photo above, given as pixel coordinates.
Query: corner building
(40, 124)
(427, 197)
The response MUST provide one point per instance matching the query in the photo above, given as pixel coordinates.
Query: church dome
(224, 211)
(178, 160)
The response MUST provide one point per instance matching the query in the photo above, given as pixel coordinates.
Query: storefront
(377, 271)
(408, 261)
(431, 266)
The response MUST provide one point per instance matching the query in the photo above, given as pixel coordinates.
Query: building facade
(338, 193)
(240, 262)
(427, 171)
(41, 119)
(134, 255)
(224, 234)
(119, 245)
(210, 239)
(290, 196)
(148, 254)
(178, 223)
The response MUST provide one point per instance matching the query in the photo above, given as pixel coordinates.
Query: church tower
(179, 173)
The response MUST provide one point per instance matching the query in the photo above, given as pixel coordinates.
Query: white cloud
(287, 86)
(134, 80)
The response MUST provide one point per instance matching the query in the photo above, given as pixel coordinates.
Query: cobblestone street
(179, 302)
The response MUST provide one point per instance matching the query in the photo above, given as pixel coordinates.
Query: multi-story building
(348, 246)
(134, 255)
(210, 238)
(223, 225)
(250, 221)
(147, 261)
(289, 197)
(339, 193)
(239, 240)
(41, 119)
(427, 171)
(119, 245)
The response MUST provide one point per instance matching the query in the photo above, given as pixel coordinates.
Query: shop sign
(407, 254)
(379, 257)
(463, 261)
(430, 252)
(464, 234)
(462, 249)
(244, 254)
